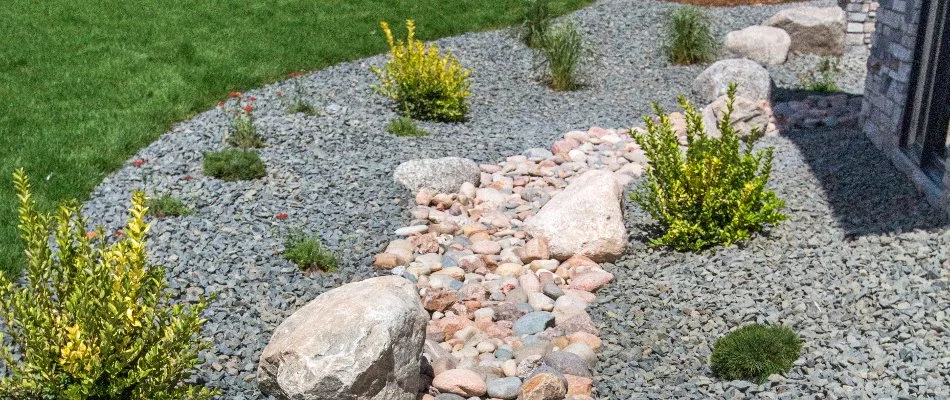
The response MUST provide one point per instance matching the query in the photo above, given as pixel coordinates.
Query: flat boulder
(765, 45)
(362, 340)
(813, 30)
(754, 81)
(444, 175)
(746, 115)
(585, 218)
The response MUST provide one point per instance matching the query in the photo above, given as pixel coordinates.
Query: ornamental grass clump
(561, 53)
(689, 39)
(167, 205)
(712, 193)
(405, 127)
(92, 319)
(754, 352)
(424, 84)
(234, 165)
(535, 22)
(308, 252)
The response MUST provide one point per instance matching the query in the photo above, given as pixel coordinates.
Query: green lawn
(86, 83)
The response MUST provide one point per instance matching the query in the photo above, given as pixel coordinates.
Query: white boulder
(585, 218)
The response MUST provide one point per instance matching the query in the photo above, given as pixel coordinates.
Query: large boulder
(814, 30)
(585, 218)
(362, 340)
(763, 44)
(754, 81)
(444, 175)
(746, 114)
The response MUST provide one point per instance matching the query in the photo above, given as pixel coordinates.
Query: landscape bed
(332, 173)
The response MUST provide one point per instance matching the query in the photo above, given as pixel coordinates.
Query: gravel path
(332, 173)
(861, 270)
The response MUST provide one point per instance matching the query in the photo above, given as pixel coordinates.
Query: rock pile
(507, 268)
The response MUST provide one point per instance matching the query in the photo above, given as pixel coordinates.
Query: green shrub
(535, 22)
(714, 192)
(754, 352)
(405, 127)
(92, 319)
(561, 52)
(308, 252)
(689, 40)
(825, 79)
(424, 84)
(234, 165)
(167, 206)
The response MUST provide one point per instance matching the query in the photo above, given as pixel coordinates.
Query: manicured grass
(86, 83)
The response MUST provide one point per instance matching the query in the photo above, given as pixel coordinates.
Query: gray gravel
(332, 173)
(860, 270)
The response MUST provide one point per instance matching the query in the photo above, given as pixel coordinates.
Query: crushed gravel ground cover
(332, 174)
(860, 270)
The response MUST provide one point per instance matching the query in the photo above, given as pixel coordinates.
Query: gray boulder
(444, 175)
(360, 341)
(746, 114)
(813, 30)
(763, 44)
(754, 81)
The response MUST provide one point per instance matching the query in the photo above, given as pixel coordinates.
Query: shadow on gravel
(865, 193)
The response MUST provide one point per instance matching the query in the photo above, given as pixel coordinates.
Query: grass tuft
(535, 22)
(754, 352)
(689, 39)
(825, 78)
(234, 165)
(167, 205)
(561, 53)
(405, 127)
(308, 252)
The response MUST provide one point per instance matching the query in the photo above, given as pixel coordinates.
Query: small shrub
(535, 22)
(92, 319)
(754, 352)
(405, 127)
(243, 133)
(295, 101)
(167, 206)
(424, 84)
(715, 192)
(308, 252)
(234, 165)
(561, 52)
(689, 39)
(825, 79)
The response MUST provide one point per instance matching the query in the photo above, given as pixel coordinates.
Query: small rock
(533, 323)
(504, 388)
(462, 382)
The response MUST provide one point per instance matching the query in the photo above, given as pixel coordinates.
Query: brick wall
(890, 66)
(862, 15)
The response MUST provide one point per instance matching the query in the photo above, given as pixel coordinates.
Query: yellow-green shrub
(92, 319)
(424, 84)
(713, 193)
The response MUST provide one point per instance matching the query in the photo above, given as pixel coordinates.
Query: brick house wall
(862, 15)
(890, 70)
